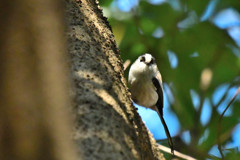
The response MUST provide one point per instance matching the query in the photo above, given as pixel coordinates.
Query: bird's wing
(157, 82)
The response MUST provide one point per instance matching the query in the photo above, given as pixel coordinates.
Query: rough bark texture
(33, 82)
(107, 125)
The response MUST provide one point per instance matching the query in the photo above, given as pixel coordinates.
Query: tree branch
(220, 120)
(176, 153)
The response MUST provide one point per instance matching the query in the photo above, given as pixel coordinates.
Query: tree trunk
(107, 124)
(33, 82)
(34, 90)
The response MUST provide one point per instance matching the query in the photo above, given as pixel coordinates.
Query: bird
(146, 87)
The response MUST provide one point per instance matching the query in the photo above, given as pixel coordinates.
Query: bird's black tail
(170, 143)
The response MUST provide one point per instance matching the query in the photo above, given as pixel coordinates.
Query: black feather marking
(159, 91)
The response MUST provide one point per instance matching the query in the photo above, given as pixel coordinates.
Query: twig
(224, 96)
(176, 153)
(215, 107)
(220, 120)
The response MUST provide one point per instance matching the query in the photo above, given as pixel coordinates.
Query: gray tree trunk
(34, 89)
(107, 125)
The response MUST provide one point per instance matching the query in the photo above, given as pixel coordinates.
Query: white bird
(146, 87)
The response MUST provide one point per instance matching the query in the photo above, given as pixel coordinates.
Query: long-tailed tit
(146, 87)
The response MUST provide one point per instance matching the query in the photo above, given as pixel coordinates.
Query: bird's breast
(144, 94)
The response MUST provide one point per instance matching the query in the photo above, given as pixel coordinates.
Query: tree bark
(107, 124)
(34, 92)
(33, 82)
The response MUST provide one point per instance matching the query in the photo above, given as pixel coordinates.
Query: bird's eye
(152, 61)
(142, 59)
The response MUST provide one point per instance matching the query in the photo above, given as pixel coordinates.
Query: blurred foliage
(198, 45)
